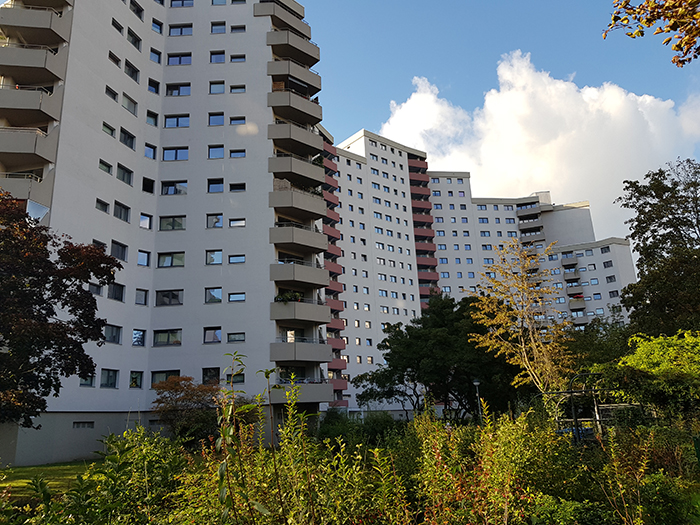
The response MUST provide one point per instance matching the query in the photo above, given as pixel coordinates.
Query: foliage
(601, 341)
(665, 232)
(679, 19)
(47, 312)
(515, 308)
(371, 431)
(187, 409)
(433, 356)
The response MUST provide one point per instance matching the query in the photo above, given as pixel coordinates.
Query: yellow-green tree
(515, 304)
(679, 20)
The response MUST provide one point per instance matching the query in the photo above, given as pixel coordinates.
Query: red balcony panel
(339, 384)
(336, 305)
(334, 267)
(331, 197)
(339, 403)
(419, 177)
(332, 216)
(329, 164)
(331, 232)
(335, 286)
(427, 291)
(420, 190)
(427, 261)
(426, 247)
(336, 324)
(421, 205)
(336, 344)
(423, 306)
(415, 163)
(334, 250)
(331, 181)
(423, 232)
(338, 364)
(330, 148)
(422, 218)
(428, 276)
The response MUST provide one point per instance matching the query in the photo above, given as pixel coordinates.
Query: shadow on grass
(60, 477)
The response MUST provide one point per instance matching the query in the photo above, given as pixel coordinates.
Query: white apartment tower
(184, 137)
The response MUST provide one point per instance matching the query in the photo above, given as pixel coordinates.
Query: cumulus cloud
(536, 132)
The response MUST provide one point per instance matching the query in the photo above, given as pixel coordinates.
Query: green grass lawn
(59, 475)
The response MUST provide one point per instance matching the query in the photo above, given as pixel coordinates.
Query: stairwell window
(171, 259)
(167, 338)
(177, 153)
(179, 59)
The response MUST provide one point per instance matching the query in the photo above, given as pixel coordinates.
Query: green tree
(679, 20)
(47, 313)
(665, 232)
(515, 307)
(601, 341)
(433, 356)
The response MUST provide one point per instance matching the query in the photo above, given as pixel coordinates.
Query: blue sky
(525, 95)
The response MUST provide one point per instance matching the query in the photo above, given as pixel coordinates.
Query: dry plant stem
(308, 473)
(272, 443)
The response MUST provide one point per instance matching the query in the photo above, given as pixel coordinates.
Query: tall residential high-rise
(409, 232)
(184, 137)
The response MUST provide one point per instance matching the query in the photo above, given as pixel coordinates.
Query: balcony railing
(12, 4)
(310, 129)
(297, 33)
(53, 50)
(18, 87)
(302, 381)
(279, 153)
(284, 59)
(282, 299)
(290, 11)
(307, 340)
(11, 175)
(295, 92)
(297, 226)
(301, 263)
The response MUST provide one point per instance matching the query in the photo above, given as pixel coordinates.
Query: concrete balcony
(338, 364)
(302, 239)
(313, 351)
(337, 344)
(571, 260)
(296, 170)
(422, 218)
(293, 106)
(330, 182)
(281, 17)
(427, 291)
(427, 261)
(298, 204)
(581, 321)
(331, 197)
(38, 25)
(331, 232)
(32, 64)
(577, 304)
(296, 138)
(417, 164)
(336, 324)
(27, 106)
(279, 69)
(419, 177)
(423, 233)
(574, 290)
(55, 4)
(334, 250)
(572, 276)
(528, 224)
(20, 147)
(423, 191)
(330, 165)
(528, 212)
(336, 305)
(421, 205)
(532, 236)
(309, 392)
(426, 247)
(335, 286)
(428, 276)
(289, 45)
(339, 384)
(334, 268)
(300, 312)
(292, 273)
(332, 216)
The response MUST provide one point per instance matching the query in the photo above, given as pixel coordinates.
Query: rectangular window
(136, 9)
(113, 334)
(150, 151)
(109, 378)
(119, 250)
(135, 379)
(133, 39)
(127, 138)
(116, 25)
(177, 121)
(215, 185)
(180, 30)
(236, 153)
(214, 257)
(211, 376)
(212, 295)
(215, 220)
(159, 377)
(236, 121)
(121, 212)
(104, 166)
(236, 297)
(102, 205)
(124, 174)
(217, 57)
(212, 335)
(236, 259)
(146, 221)
(217, 87)
(177, 222)
(179, 59)
(218, 28)
(239, 88)
(131, 106)
(167, 337)
(237, 29)
(152, 118)
(177, 90)
(236, 337)
(153, 86)
(236, 187)
(111, 93)
(171, 259)
(141, 295)
(148, 185)
(170, 297)
(237, 58)
(157, 26)
(216, 119)
(216, 152)
(138, 337)
(236, 223)
(115, 59)
(172, 154)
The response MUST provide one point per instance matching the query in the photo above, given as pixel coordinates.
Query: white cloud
(536, 132)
